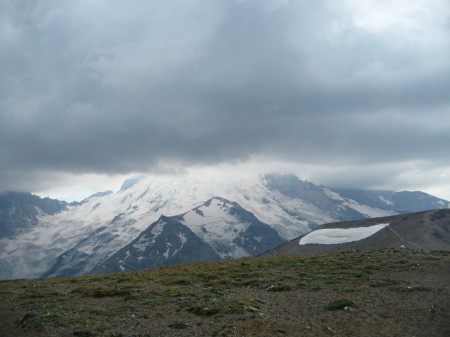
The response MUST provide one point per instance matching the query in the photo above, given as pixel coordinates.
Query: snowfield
(333, 236)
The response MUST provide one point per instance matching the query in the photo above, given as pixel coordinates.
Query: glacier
(77, 239)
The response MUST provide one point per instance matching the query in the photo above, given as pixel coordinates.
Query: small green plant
(83, 333)
(29, 315)
(223, 331)
(339, 304)
(179, 325)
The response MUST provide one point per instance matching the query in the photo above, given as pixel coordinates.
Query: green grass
(339, 304)
(179, 325)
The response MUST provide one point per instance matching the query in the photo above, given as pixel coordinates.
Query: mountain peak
(235, 217)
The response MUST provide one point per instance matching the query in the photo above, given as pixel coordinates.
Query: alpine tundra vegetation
(384, 293)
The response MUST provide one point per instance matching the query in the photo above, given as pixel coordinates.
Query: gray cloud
(116, 87)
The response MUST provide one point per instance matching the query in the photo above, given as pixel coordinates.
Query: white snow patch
(371, 212)
(235, 252)
(333, 195)
(159, 227)
(142, 244)
(332, 236)
(183, 241)
(166, 253)
(182, 238)
(127, 255)
(387, 202)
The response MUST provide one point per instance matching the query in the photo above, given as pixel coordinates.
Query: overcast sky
(343, 93)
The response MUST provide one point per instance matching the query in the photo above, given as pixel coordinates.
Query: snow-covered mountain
(218, 229)
(82, 236)
(19, 211)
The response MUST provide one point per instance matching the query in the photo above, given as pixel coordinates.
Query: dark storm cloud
(116, 86)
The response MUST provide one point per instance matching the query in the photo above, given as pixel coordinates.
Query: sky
(344, 93)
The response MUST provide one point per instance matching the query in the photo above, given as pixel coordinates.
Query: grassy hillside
(347, 294)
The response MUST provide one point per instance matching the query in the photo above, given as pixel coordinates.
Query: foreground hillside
(346, 294)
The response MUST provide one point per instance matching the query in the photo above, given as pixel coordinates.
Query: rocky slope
(429, 231)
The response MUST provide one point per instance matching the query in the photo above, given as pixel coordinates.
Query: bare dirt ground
(381, 294)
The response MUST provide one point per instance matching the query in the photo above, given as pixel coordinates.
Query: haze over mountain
(222, 216)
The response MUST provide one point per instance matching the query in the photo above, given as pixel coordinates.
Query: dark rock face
(19, 210)
(401, 202)
(164, 242)
(429, 230)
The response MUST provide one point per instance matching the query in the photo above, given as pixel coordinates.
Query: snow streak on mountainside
(76, 240)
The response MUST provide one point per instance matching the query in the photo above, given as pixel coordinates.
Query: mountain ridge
(218, 229)
(80, 237)
(426, 230)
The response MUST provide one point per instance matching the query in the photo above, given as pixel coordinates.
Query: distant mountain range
(152, 222)
(428, 231)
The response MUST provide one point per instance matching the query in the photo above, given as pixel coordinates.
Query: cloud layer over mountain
(113, 87)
